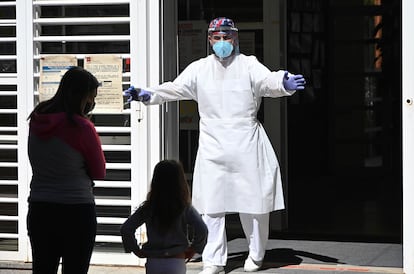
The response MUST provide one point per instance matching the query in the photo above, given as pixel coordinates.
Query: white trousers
(256, 230)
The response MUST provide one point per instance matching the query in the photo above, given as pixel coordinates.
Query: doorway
(260, 34)
(344, 130)
(338, 141)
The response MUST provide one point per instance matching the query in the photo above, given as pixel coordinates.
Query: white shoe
(251, 266)
(212, 269)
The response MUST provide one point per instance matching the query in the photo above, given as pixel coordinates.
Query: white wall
(408, 134)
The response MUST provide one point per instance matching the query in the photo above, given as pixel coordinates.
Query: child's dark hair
(169, 194)
(76, 85)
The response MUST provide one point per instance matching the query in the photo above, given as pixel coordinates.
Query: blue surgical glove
(137, 94)
(293, 82)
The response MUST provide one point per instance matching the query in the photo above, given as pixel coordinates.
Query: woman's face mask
(90, 104)
(223, 49)
(89, 107)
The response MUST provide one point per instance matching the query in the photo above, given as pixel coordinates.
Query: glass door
(345, 156)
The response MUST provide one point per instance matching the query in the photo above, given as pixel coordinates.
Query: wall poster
(52, 69)
(107, 68)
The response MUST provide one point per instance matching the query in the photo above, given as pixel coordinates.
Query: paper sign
(52, 69)
(107, 68)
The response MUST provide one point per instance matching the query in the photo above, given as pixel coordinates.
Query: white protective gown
(236, 168)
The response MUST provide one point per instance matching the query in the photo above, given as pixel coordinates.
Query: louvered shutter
(11, 246)
(30, 30)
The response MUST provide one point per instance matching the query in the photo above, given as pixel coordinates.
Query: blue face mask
(223, 49)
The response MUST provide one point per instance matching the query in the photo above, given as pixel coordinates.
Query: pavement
(283, 257)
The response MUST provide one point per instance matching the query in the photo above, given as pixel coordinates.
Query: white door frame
(169, 70)
(24, 48)
(408, 134)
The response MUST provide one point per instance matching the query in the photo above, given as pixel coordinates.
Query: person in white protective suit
(236, 169)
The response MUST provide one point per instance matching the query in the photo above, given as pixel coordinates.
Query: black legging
(61, 231)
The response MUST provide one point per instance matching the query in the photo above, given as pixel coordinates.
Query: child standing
(168, 216)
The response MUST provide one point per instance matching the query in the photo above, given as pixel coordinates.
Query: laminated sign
(107, 68)
(52, 69)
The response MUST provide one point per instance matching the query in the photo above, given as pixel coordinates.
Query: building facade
(143, 34)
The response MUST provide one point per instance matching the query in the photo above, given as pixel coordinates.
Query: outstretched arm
(293, 82)
(137, 94)
(266, 83)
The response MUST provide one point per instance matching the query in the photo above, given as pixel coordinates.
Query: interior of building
(342, 135)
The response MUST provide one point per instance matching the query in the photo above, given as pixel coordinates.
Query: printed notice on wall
(107, 68)
(52, 69)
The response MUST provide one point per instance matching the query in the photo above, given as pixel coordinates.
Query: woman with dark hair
(168, 216)
(66, 156)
